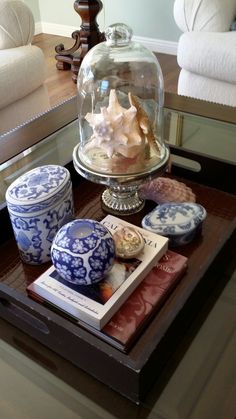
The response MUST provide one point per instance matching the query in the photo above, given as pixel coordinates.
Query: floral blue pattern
(39, 183)
(39, 203)
(83, 251)
(177, 221)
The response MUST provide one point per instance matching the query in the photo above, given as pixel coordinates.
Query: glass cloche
(120, 113)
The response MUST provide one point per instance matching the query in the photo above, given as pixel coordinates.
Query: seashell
(141, 114)
(116, 129)
(128, 242)
(162, 190)
(144, 122)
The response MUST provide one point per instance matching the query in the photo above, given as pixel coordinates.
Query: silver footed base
(121, 202)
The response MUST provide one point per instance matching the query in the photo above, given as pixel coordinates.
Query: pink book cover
(128, 322)
(126, 325)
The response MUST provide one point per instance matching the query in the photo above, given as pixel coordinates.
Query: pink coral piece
(162, 190)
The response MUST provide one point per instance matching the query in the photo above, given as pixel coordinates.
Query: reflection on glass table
(200, 134)
(192, 132)
(55, 149)
(198, 381)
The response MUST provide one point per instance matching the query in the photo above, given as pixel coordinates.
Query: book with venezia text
(94, 305)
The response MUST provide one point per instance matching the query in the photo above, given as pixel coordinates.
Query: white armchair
(207, 49)
(22, 67)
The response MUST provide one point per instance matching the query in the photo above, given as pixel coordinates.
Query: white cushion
(204, 15)
(204, 88)
(21, 111)
(16, 24)
(22, 70)
(211, 55)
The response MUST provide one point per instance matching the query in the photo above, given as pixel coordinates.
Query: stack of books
(118, 308)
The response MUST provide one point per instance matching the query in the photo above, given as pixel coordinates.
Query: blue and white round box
(39, 202)
(180, 222)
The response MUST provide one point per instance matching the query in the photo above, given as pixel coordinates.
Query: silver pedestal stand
(121, 197)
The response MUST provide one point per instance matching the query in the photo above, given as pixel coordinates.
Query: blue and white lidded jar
(39, 202)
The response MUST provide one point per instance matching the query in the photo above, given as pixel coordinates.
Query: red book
(129, 321)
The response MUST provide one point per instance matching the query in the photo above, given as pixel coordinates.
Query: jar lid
(38, 185)
(173, 219)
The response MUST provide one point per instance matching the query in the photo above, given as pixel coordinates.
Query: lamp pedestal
(85, 38)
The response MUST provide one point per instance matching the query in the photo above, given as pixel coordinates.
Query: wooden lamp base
(85, 38)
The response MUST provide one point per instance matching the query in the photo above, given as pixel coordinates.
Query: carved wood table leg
(85, 38)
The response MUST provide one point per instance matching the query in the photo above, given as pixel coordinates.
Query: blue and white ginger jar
(39, 202)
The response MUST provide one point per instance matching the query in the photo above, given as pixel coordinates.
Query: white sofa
(207, 49)
(22, 67)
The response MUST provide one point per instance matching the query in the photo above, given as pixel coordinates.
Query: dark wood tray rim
(131, 372)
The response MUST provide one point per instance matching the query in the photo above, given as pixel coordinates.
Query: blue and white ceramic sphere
(39, 203)
(83, 251)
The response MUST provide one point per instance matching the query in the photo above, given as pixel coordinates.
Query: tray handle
(28, 315)
(205, 169)
(9, 309)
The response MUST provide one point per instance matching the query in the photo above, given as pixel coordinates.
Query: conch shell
(163, 190)
(144, 123)
(119, 130)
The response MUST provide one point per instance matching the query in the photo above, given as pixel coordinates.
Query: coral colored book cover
(126, 325)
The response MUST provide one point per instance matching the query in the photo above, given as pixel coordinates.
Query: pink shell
(162, 190)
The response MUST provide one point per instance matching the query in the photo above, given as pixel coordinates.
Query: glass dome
(120, 113)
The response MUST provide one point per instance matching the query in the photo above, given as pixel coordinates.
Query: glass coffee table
(183, 364)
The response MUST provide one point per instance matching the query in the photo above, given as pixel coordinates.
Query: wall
(152, 21)
(34, 6)
(149, 18)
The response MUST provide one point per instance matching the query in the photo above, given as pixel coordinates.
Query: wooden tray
(130, 374)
